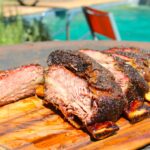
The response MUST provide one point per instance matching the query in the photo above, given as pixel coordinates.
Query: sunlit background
(19, 24)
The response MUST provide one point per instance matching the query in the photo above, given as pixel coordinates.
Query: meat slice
(95, 109)
(19, 83)
(85, 67)
(94, 84)
(138, 60)
(136, 51)
(127, 49)
(133, 85)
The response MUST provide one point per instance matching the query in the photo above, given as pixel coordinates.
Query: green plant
(11, 33)
(18, 30)
(35, 30)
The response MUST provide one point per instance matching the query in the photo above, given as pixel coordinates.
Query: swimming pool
(133, 23)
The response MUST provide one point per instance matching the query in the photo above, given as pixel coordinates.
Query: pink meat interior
(19, 82)
(109, 63)
(68, 92)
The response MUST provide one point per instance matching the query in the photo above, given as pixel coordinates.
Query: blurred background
(45, 20)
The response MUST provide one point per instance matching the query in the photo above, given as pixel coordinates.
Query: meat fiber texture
(19, 83)
(132, 83)
(128, 49)
(82, 88)
(125, 75)
(138, 59)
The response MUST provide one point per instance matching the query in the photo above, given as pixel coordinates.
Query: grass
(11, 33)
(18, 30)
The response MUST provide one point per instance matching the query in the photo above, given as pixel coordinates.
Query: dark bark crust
(100, 81)
(105, 107)
(138, 85)
(127, 49)
(85, 67)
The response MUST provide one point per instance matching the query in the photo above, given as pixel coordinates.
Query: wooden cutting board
(28, 125)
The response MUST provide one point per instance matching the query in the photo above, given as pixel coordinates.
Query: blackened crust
(142, 60)
(85, 67)
(104, 105)
(137, 81)
(127, 49)
(108, 108)
(141, 56)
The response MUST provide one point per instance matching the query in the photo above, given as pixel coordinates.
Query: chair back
(101, 22)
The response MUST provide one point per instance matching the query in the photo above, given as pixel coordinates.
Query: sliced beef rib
(19, 83)
(132, 83)
(138, 60)
(81, 88)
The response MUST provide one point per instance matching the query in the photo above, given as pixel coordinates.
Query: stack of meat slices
(139, 61)
(84, 90)
(132, 82)
(92, 89)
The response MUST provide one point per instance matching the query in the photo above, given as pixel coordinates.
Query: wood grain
(27, 124)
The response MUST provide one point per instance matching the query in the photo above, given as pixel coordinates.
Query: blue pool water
(133, 23)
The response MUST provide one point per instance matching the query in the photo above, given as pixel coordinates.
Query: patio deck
(13, 8)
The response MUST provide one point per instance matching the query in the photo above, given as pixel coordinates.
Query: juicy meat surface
(94, 97)
(126, 49)
(132, 83)
(126, 76)
(85, 67)
(109, 63)
(75, 98)
(138, 60)
(19, 83)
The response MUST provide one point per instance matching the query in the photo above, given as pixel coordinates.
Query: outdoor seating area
(74, 74)
(71, 15)
(101, 22)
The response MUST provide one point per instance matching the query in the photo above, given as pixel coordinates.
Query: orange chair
(102, 23)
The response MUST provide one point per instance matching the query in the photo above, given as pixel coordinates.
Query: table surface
(13, 56)
(16, 55)
(71, 4)
(66, 4)
(12, 8)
